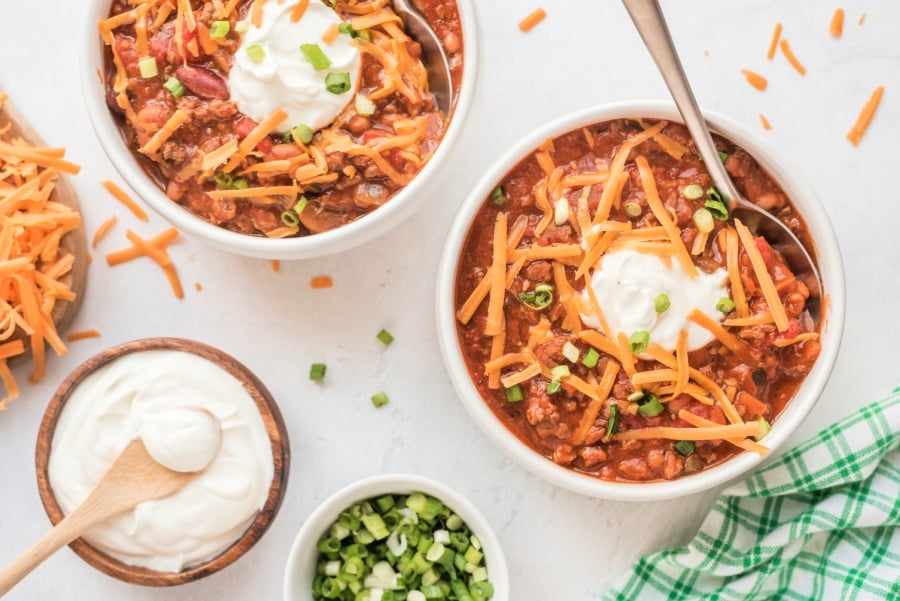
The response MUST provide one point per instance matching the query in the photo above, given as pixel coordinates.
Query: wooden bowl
(272, 420)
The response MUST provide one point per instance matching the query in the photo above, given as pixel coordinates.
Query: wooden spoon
(133, 478)
(75, 242)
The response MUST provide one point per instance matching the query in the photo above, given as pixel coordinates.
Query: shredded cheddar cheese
(532, 19)
(773, 45)
(120, 195)
(836, 27)
(83, 334)
(859, 128)
(791, 57)
(755, 79)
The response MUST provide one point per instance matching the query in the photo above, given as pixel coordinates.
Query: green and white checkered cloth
(820, 522)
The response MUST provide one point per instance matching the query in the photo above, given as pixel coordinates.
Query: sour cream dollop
(626, 284)
(284, 78)
(142, 394)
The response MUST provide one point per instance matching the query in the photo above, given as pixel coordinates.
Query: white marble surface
(559, 545)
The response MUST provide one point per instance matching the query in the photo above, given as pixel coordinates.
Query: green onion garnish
(723, 155)
(693, 192)
(223, 180)
(554, 386)
(633, 209)
(638, 341)
(649, 405)
(337, 83)
(174, 86)
(559, 372)
(684, 447)
(662, 303)
(315, 56)
(317, 372)
(301, 204)
(348, 29)
(256, 54)
(764, 428)
(240, 184)
(385, 337)
(498, 196)
(725, 305)
(380, 399)
(591, 358)
(241, 26)
(716, 204)
(303, 132)
(514, 394)
(703, 219)
(537, 299)
(148, 67)
(219, 29)
(613, 421)
(289, 218)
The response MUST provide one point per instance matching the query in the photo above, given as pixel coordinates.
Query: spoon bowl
(433, 55)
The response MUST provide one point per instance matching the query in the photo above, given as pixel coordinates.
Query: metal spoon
(433, 55)
(650, 23)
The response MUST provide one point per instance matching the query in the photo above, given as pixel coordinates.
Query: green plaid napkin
(820, 522)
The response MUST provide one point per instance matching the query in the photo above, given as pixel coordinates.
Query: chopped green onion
(716, 204)
(633, 209)
(570, 352)
(223, 180)
(692, 192)
(662, 303)
(723, 155)
(174, 86)
(385, 337)
(498, 196)
(241, 26)
(380, 399)
(302, 132)
(337, 83)
(514, 394)
(559, 372)
(364, 106)
(635, 396)
(240, 184)
(649, 405)
(538, 299)
(219, 29)
(764, 428)
(684, 447)
(148, 67)
(315, 56)
(317, 372)
(348, 29)
(561, 211)
(256, 54)
(638, 341)
(301, 204)
(591, 358)
(554, 386)
(613, 421)
(289, 218)
(725, 305)
(703, 219)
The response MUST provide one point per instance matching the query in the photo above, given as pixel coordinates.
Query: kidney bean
(202, 82)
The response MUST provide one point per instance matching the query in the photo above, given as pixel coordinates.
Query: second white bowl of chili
(165, 109)
(598, 357)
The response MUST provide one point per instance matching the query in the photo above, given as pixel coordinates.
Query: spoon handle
(649, 21)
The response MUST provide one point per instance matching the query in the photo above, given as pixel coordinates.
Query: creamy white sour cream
(283, 77)
(627, 283)
(155, 394)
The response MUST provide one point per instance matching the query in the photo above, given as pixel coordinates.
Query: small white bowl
(368, 227)
(830, 269)
(301, 563)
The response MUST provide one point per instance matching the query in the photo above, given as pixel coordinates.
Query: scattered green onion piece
(289, 218)
(692, 192)
(219, 29)
(241, 26)
(364, 34)
(514, 394)
(315, 56)
(148, 67)
(380, 399)
(725, 305)
(364, 106)
(223, 180)
(638, 341)
(559, 372)
(633, 209)
(571, 352)
(703, 219)
(649, 405)
(240, 184)
(635, 396)
(385, 337)
(303, 132)
(175, 87)
(684, 447)
(716, 204)
(498, 196)
(345, 28)
(538, 299)
(662, 303)
(723, 155)
(317, 372)
(256, 54)
(764, 428)
(591, 358)
(337, 83)
(554, 386)
(301, 204)
(613, 421)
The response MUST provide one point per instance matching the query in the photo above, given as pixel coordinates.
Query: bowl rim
(364, 229)
(327, 511)
(275, 429)
(827, 254)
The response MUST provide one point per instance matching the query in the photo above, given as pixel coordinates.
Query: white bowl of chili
(169, 125)
(657, 442)
(453, 527)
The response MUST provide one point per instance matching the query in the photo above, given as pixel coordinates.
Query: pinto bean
(358, 125)
(282, 151)
(202, 82)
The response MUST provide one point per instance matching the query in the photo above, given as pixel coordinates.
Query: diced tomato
(765, 250)
(373, 134)
(126, 51)
(244, 126)
(792, 331)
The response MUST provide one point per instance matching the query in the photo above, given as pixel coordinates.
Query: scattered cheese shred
(76, 336)
(862, 19)
(791, 57)
(762, 275)
(102, 230)
(298, 10)
(755, 79)
(593, 408)
(836, 27)
(321, 281)
(160, 241)
(859, 128)
(717, 432)
(782, 342)
(683, 366)
(497, 292)
(773, 45)
(521, 376)
(765, 122)
(753, 320)
(178, 118)
(728, 339)
(744, 443)
(331, 34)
(120, 195)
(154, 249)
(532, 19)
